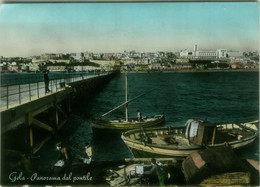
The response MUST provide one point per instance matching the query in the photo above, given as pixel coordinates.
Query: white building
(186, 54)
(33, 67)
(206, 54)
(222, 53)
(56, 68)
(77, 56)
(219, 53)
(85, 68)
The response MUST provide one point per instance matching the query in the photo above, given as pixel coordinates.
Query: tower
(195, 48)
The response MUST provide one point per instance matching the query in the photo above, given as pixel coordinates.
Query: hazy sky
(33, 29)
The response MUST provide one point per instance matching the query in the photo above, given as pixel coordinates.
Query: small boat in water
(180, 141)
(127, 123)
(131, 123)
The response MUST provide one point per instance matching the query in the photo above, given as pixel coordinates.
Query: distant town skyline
(29, 29)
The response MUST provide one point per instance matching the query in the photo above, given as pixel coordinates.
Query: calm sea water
(215, 96)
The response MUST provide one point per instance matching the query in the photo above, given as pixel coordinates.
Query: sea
(220, 96)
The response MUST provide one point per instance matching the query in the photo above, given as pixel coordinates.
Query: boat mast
(124, 103)
(126, 98)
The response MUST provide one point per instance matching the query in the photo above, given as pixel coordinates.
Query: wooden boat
(180, 141)
(131, 123)
(127, 123)
(131, 173)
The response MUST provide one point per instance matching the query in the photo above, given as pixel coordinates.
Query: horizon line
(117, 1)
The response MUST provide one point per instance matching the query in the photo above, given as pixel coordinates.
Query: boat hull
(146, 151)
(139, 153)
(143, 151)
(131, 124)
(159, 148)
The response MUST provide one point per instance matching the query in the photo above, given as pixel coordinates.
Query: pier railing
(19, 93)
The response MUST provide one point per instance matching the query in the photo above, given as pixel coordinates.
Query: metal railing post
(52, 86)
(38, 94)
(7, 97)
(20, 101)
(29, 91)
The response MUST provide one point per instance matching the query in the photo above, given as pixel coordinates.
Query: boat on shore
(196, 134)
(127, 123)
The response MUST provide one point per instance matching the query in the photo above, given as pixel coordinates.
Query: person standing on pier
(46, 81)
(139, 115)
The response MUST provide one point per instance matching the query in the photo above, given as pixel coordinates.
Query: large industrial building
(219, 53)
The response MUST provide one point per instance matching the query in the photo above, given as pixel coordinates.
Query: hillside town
(183, 60)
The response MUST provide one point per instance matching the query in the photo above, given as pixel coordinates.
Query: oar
(127, 102)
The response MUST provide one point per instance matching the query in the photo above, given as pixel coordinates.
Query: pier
(39, 115)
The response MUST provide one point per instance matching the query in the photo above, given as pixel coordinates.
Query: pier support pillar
(69, 105)
(56, 114)
(56, 117)
(29, 123)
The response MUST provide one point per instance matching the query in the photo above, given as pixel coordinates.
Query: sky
(28, 29)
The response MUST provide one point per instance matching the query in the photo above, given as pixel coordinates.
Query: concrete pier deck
(49, 112)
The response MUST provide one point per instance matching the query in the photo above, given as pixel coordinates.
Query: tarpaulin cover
(192, 126)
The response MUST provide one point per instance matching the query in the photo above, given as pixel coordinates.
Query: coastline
(219, 70)
(161, 71)
(197, 70)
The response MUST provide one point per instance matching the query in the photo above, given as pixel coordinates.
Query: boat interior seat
(233, 133)
(225, 136)
(169, 139)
